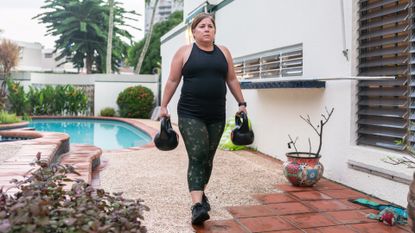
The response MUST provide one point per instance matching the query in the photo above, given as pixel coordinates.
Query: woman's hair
(201, 17)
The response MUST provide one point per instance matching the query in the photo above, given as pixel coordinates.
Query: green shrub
(7, 118)
(76, 100)
(108, 112)
(43, 205)
(59, 100)
(136, 102)
(26, 117)
(17, 98)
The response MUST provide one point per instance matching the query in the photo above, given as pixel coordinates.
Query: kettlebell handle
(244, 124)
(165, 125)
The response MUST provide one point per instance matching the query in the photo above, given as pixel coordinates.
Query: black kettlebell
(166, 139)
(242, 135)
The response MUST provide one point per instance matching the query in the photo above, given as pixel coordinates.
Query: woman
(206, 69)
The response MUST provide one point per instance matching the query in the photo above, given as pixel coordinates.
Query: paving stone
(274, 198)
(309, 220)
(260, 224)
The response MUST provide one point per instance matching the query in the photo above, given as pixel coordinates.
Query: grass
(8, 118)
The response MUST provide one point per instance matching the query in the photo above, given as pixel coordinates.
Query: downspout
(345, 50)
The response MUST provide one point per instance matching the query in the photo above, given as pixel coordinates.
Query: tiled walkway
(323, 208)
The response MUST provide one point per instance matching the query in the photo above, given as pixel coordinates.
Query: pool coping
(50, 145)
(31, 138)
(11, 126)
(131, 121)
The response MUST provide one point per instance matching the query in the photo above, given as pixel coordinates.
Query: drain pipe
(345, 50)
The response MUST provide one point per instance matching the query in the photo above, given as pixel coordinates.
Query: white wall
(61, 79)
(107, 89)
(30, 56)
(51, 65)
(246, 28)
(190, 6)
(167, 51)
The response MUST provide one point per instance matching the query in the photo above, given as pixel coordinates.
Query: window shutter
(281, 62)
(385, 29)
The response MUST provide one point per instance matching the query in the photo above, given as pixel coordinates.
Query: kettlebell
(242, 135)
(166, 139)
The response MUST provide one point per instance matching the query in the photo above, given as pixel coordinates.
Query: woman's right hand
(163, 112)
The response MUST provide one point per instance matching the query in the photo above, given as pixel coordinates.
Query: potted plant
(304, 168)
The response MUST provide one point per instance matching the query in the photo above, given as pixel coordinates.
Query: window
(21, 52)
(48, 55)
(282, 62)
(386, 47)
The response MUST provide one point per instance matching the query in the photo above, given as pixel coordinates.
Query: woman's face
(204, 31)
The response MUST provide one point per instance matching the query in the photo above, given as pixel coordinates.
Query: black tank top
(203, 93)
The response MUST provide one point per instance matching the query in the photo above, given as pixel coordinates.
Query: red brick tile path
(81, 157)
(18, 166)
(323, 208)
(52, 145)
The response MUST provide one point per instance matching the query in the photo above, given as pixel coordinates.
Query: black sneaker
(205, 202)
(199, 214)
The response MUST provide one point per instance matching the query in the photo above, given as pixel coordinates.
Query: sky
(17, 23)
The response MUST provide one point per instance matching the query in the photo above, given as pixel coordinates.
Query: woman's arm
(232, 81)
(173, 81)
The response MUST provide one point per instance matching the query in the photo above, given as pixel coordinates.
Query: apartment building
(163, 11)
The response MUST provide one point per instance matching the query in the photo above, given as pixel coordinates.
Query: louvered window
(386, 48)
(276, 63)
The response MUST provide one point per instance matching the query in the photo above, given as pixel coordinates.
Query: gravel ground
(159, 178)
(8, 150)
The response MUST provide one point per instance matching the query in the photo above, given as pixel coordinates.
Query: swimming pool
(106, 134)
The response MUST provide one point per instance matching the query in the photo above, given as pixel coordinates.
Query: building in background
(49, 64)
(33, 57)
(164, 9)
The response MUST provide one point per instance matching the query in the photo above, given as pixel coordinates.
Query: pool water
(106, 134)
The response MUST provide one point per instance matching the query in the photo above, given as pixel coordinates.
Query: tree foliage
(153, 58)
(9, 56)
(82, 30)
(148, 38)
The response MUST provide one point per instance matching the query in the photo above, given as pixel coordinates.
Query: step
(84, 158)
(48, 145)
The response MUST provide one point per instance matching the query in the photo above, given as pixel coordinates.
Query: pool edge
(150, 131)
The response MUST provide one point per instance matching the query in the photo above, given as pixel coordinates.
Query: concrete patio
(323, 208)
(247, 191)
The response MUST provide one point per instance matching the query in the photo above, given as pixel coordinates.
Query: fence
(102, 89)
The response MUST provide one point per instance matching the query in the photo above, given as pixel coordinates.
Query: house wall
(167, 50)
(247, 28)
(30, 56)
(49, 64)
(107, 88)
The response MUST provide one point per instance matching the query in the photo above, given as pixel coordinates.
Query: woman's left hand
(242, 108)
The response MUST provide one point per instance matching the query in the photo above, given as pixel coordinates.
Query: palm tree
(82, 30)
(148, 37)
(109, 41)
(152, 59)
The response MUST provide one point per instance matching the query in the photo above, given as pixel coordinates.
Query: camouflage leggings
(201, 140)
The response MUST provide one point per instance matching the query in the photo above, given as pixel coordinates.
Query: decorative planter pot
(303, 168)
